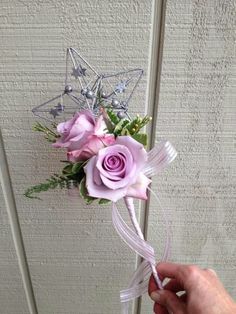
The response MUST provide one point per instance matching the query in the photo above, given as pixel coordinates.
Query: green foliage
(49, 134)
(103, 201)
(54, 182)
(88, 199)
(112, 116)
(121, 126)
(77, 167)
(67, 170)
(84, 192)
(137, 124)
(73, 168)
(71, 173)
(74, 171)
(141, 138)
(124, 126)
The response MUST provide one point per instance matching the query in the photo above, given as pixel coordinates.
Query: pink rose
(100, 126)
(116, 171)
(91, 147)
(96, 140)
(74, 132)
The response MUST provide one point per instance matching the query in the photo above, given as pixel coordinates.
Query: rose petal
(100, 126)
(115, 164)
(95, 143)
(137, 150)
(74, 131)
(108, 139)
(96, 177)
(124, 182)
(64, 127)
(88, 114)
(100, 191)
(139, 188)
(113, 150)
(86, 122)
(59, 143)
(89, 147)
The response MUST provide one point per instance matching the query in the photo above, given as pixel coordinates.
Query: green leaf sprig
(123, 126)
(72, 174)
(53, 182)
(50, 135)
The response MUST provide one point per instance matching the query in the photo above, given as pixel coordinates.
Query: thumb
(168, 300)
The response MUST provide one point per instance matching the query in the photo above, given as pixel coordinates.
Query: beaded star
(85, 88)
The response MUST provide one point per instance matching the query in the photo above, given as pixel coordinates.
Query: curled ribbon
(158, 158)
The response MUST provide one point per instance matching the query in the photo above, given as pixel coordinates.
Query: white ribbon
(158, 158)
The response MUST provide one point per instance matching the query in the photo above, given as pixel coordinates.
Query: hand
(203, 293)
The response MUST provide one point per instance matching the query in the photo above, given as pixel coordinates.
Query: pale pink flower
(92, 146)
(74, 132)
(116, 171)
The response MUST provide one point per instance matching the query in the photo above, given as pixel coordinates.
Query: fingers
(171, 270)
(182, 278)
(186, 275)
(168, 300)
(158, 309)
(174, 286)
(211, 271)
(152, 286)
(183, 297)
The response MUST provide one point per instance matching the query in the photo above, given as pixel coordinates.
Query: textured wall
(76, 261)
(197, 114)
(12, 296)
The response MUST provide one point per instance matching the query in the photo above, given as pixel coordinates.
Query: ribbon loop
(158, 158)
(137, 287)
(138, 245)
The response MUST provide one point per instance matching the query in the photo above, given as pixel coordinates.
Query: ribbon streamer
(158, 158)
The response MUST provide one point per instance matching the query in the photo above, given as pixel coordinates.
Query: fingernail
(212, 271)
(155, 296)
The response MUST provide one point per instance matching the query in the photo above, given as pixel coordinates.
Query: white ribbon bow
(158, 158)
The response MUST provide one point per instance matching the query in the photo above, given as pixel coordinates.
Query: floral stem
(130, 206)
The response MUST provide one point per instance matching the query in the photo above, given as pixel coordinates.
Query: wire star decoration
(78, 71)
(121, 87)
(85, 88)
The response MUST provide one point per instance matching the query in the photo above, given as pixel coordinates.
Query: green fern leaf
(52, 183)
(84, 192)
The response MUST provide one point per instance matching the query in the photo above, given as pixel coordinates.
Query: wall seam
(153, 91)
(15, 228)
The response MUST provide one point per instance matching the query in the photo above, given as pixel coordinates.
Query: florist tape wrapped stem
(139, 282)
(130, 206)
